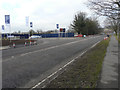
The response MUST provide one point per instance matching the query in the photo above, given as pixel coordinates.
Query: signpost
(31, 24)
(57, 25)
(7, 19)
(7, 22)
(27, 23)
(62, 30)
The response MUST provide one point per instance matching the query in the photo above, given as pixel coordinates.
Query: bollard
(14, 45)
(30, 43)
(25, 43)
(105, 38)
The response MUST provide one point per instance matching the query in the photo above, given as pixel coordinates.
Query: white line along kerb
(63, 66)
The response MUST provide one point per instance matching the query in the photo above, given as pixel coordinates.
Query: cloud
(43, 13)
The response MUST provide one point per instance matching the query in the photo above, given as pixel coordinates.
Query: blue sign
(3, 27)
(57, 26)
(31, 24)
(7, 19)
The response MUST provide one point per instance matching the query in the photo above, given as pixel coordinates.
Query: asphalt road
(26, 66)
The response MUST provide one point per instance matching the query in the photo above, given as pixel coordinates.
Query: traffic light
(62, 29)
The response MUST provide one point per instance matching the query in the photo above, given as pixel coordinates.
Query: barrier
(14, 45)
(105, 38)
(25, 43)
(26, 36)
(30, 43)
(56, 35)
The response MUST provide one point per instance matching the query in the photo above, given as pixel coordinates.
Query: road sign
(7, 19)
(3, 27)
(31, 24)
(57, 25)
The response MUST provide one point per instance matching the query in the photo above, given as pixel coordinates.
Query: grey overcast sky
(44, 14)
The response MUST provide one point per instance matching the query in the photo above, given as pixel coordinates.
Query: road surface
(27, 66)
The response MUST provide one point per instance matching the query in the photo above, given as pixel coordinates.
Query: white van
(35, 37)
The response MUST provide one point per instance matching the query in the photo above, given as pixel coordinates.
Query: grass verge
(85, 71)
(116, 36)
(119, 38)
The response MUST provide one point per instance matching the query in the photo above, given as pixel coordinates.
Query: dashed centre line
(24, 54)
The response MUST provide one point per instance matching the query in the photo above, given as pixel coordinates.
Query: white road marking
(54, 47)
(95, 44)
(24, 54)
(63, 66)
(49, 48)
(12, 56)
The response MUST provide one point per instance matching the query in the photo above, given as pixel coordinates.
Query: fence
(26, 36)
(56, 35)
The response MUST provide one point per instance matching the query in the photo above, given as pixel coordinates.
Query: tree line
(84, 25)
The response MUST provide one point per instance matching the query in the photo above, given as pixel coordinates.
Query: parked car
(35, 37)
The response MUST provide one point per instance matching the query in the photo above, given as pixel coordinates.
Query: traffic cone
(30, 43)
(25, 44)
(14, 45)
(104, 38)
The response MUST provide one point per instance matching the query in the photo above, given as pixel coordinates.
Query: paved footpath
(109, 74)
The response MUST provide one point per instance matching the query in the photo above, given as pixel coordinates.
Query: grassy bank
(119, 38)
(85, 71)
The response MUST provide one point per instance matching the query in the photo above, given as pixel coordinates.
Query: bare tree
(109, 8)
(112, 24)
(39, 31)
(19, 32)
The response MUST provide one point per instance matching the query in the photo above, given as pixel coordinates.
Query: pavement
(109, 73)
(27, 66)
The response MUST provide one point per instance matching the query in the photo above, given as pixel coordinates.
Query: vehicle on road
(79, 35)
(10, 36)
(35, 37)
